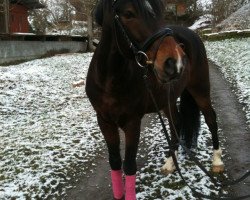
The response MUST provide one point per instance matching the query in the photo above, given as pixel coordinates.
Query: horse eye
(182, 46)
(129, 15)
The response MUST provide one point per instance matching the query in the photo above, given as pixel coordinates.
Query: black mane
(140, 5)
(99, 13)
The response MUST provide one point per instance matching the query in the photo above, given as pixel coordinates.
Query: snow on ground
(48, 130)
(203, 22)
(152, 184)
(49, 134)
(233, 58)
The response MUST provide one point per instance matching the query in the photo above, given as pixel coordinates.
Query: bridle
(143, 61)
(139, 51)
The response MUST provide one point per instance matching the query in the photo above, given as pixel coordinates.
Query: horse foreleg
(111, 135)
(175, 124)
(132, 135)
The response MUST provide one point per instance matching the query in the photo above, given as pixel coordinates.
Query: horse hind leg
(111, 136)
(210, 118)
(204, 103)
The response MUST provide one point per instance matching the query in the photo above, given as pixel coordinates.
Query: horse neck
(111, 62)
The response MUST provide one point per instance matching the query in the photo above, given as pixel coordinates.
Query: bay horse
(115, 86)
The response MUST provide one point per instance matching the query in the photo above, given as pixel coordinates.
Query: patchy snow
(203, 22)
(247, 31)
(152, 184)
(233, 58)
(48, 129)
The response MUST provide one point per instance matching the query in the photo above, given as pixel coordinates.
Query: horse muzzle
(171, 70)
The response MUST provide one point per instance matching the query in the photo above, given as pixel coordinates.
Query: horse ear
(99, 13)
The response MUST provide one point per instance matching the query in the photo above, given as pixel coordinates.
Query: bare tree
(86, 8)
(194, 9)
(38, 20)
(221, 9)
(56, 16)
(189, 11)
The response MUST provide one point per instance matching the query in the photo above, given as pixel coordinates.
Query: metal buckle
(142, 59)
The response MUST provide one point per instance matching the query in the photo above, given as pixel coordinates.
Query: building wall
(2, 23)
(19, 19)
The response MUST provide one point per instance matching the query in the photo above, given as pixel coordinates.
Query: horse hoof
(218, 168)
(123, 198)
(166, 171)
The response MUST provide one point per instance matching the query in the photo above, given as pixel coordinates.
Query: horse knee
(129, 167)
(114, 157)
(115, 162)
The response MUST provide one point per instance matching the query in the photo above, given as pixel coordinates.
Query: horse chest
(116, 97)
(108, 102)
(115, 104)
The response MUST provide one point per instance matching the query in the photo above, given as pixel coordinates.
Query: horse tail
(190, 115)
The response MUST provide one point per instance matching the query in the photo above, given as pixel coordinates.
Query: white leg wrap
(217, 157)
(169, 166)
(218, 165)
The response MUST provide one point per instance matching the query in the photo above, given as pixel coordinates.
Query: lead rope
(197, 194)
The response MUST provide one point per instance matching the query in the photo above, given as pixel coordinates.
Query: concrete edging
(226, 35)
(14, 51)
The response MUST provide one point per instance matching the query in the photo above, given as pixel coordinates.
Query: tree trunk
(90, 32)
(195, 5)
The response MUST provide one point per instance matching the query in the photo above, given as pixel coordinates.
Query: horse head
(135, 26)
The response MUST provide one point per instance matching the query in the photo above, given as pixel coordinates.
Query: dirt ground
(236, 137)
(232, 120)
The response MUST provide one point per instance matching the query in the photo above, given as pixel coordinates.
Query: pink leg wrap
(117, 183)
(130, 188)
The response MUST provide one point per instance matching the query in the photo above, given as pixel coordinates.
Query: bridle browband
(164, 32)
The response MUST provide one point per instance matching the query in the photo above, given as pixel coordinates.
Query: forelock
(149, 9)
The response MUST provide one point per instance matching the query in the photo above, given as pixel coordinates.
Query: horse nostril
(170, 67)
